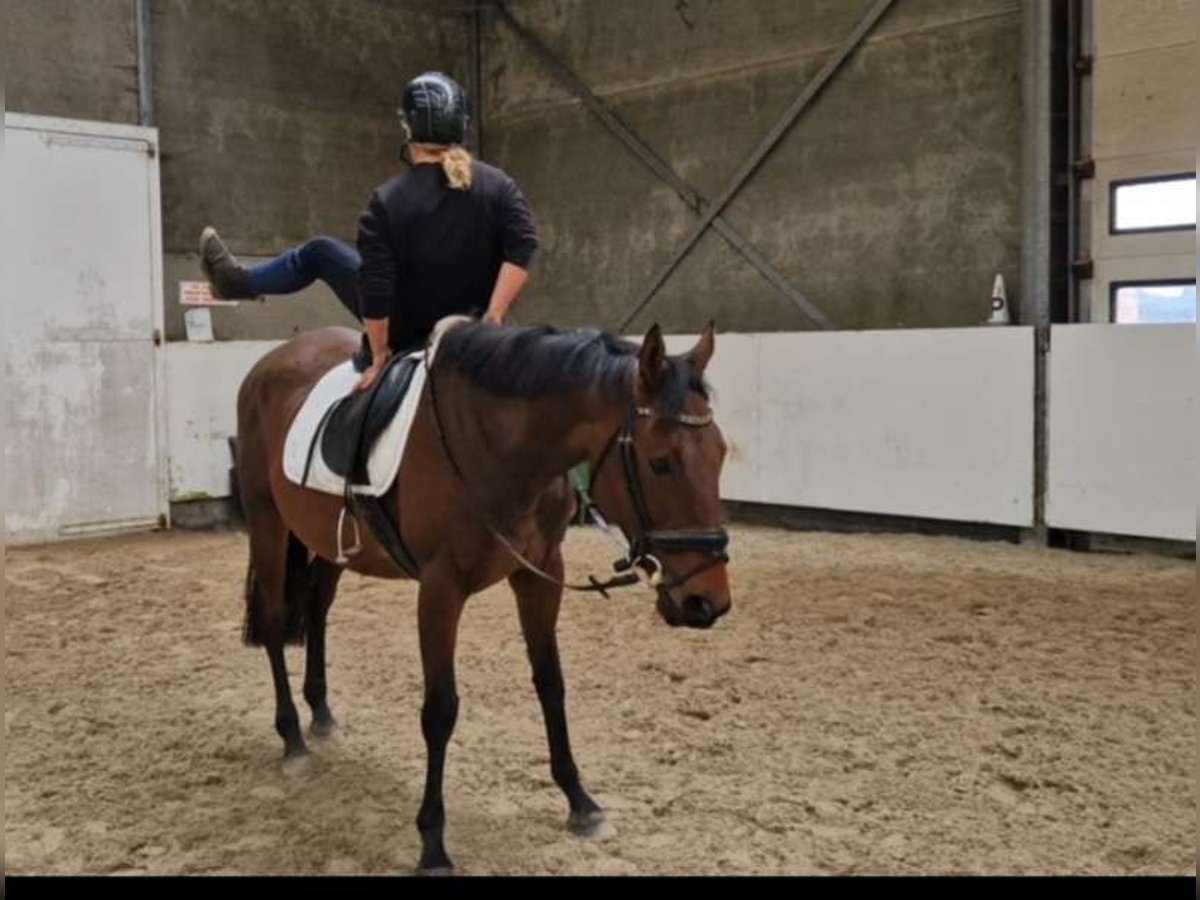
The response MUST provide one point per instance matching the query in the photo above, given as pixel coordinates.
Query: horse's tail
(296, 587)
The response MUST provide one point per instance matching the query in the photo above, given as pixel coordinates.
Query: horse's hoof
(323, 728)
(436, 871)
(297, 765)
(592, 825)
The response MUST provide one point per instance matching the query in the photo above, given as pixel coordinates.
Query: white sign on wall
(198, 323)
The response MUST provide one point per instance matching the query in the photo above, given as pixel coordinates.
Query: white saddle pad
(386, 454)
(383, 463)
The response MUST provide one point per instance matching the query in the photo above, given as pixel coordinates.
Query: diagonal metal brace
(693, 198)
(760, 153)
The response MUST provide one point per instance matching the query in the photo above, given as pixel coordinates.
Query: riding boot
(228, 277)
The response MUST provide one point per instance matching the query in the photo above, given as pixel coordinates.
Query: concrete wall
(892, 202)
(276, 118)
(72, 58)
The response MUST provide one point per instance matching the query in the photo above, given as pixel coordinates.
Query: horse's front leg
(439, 608)
(538, 602)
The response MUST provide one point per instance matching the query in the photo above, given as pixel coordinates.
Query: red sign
(199, 293)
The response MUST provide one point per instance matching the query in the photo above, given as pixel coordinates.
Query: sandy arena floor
(872, 704)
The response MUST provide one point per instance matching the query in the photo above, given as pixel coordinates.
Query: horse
(482, 495)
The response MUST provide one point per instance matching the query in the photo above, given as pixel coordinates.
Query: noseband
(647, 545)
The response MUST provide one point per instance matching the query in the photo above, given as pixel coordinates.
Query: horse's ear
(700, 355)
(652, 361)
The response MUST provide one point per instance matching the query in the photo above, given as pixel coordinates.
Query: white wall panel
(1123, 430)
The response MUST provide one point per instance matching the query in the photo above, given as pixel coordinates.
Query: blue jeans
(323, 258)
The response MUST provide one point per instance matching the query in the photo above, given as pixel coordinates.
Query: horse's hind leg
(272, 554)
(322, 589)
(538, 602)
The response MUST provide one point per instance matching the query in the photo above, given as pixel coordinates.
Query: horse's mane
(539, 360)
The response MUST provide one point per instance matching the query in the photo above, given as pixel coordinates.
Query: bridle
(641, 556)
(643, 551)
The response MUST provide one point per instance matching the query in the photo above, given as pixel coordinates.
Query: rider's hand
(368, 377)
(493, 317)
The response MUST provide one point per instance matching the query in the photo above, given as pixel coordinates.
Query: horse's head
(663, 485)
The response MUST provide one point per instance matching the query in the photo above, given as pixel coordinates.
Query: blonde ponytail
(455, 160)
(456, 163)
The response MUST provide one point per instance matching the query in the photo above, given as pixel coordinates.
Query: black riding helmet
(436, 109)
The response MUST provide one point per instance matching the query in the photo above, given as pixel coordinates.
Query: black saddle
(353, 424)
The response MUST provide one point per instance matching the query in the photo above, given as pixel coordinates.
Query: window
(1161, 203)
(1153, 302)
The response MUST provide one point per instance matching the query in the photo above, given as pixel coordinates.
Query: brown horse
(482, 495)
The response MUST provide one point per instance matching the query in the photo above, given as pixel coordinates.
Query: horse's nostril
(699, 610)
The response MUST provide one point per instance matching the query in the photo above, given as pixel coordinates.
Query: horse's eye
(660, 465)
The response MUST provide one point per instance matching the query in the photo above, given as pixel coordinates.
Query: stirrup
(344, 554)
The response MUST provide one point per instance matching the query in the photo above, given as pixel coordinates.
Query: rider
(452, 235)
